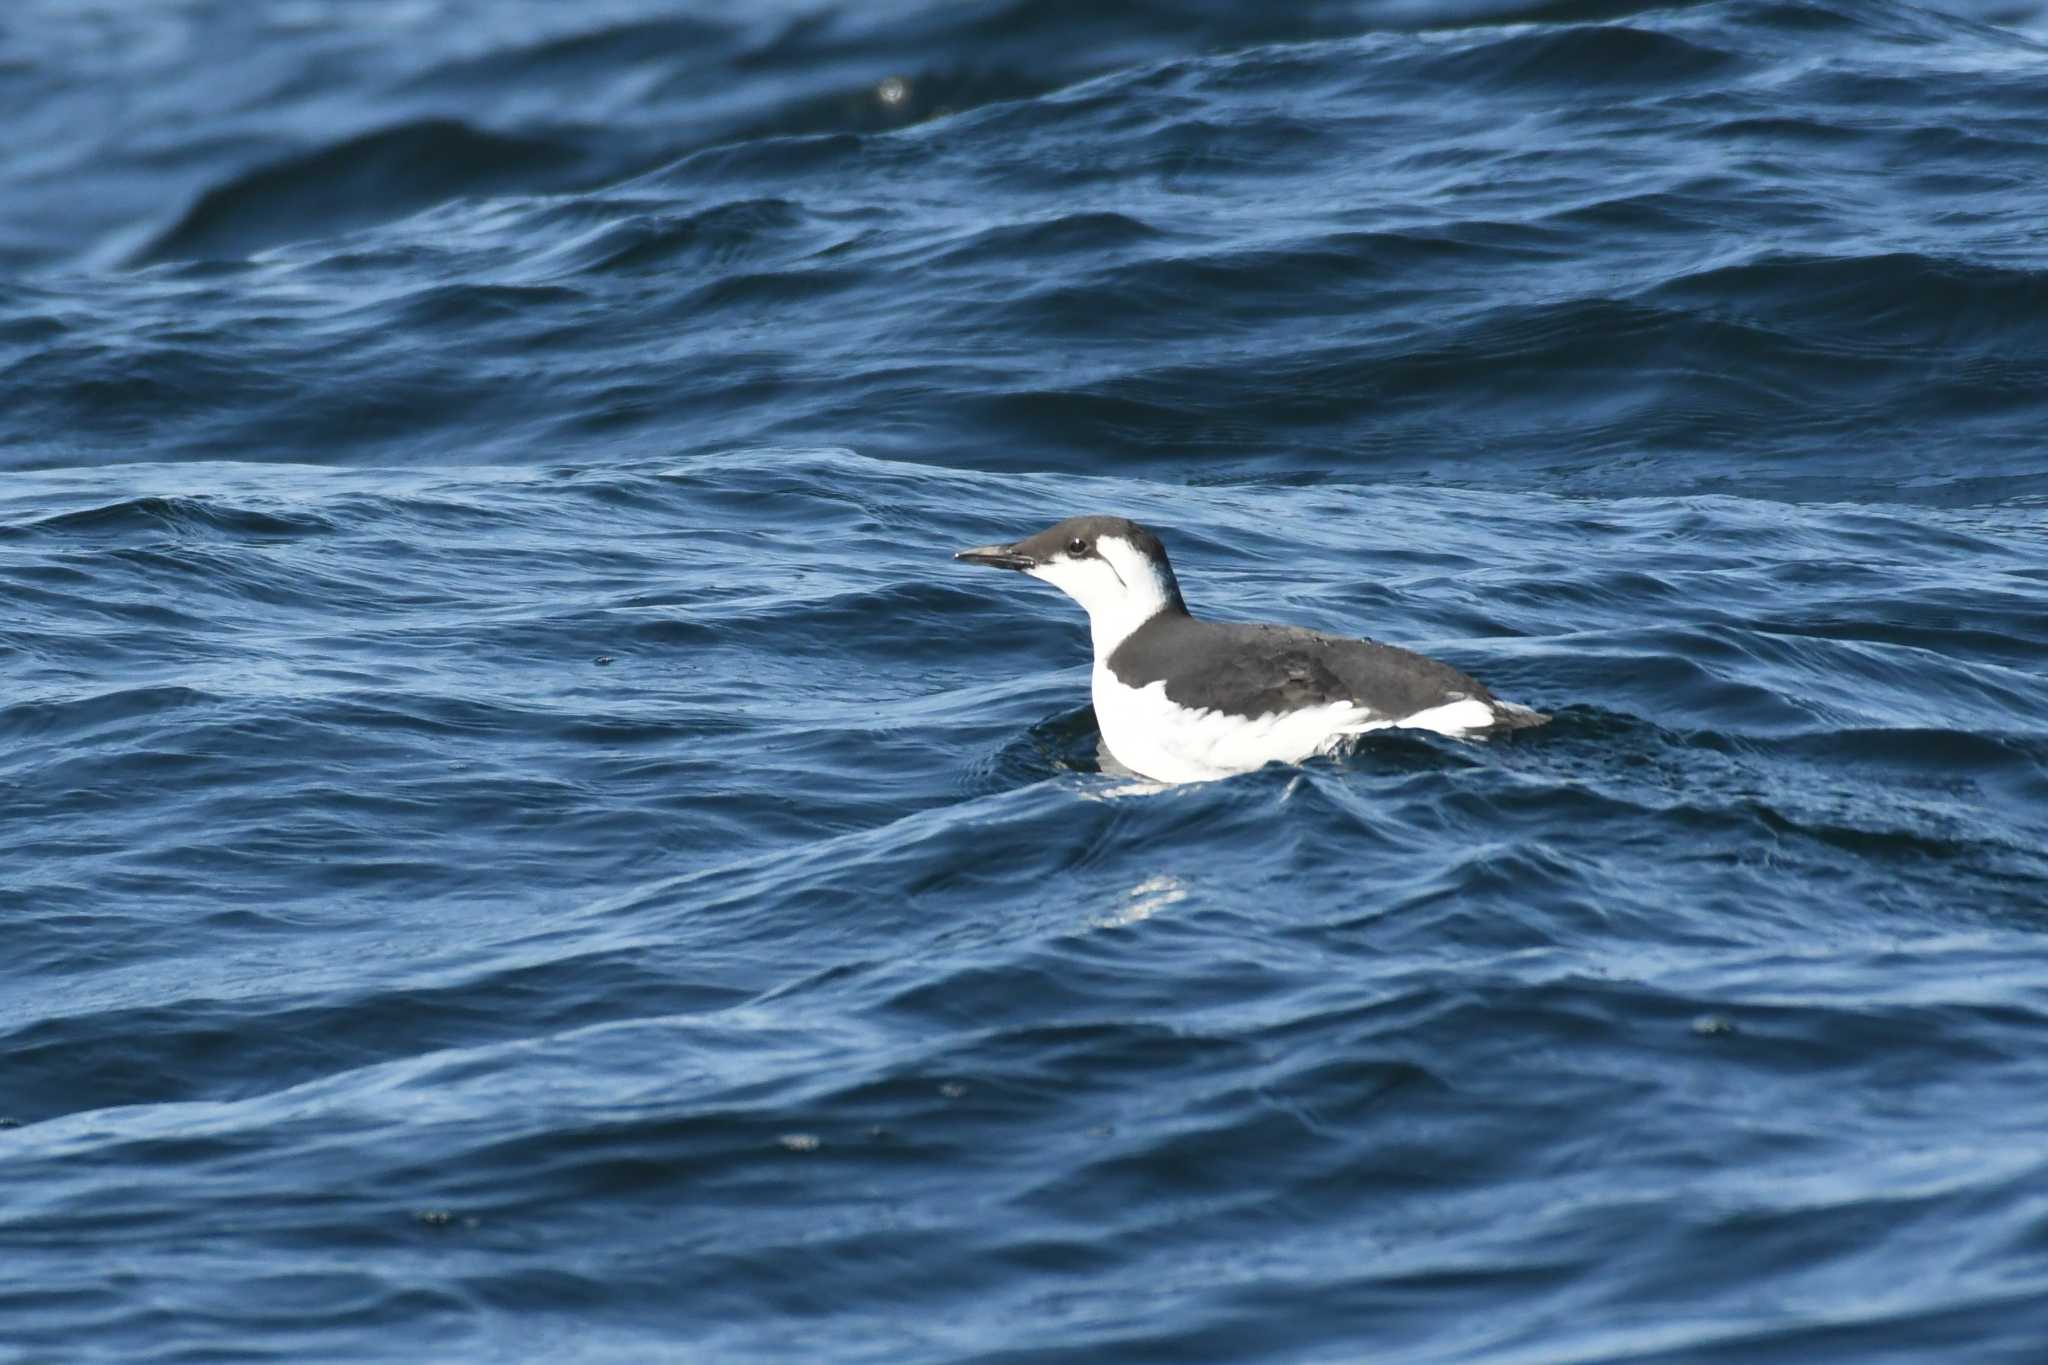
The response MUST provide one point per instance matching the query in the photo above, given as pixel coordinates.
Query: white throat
(1119, 586)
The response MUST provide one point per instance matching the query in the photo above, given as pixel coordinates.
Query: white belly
(1152, 736)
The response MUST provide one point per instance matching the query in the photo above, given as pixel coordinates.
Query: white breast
(1168, 743)
(1153, 736)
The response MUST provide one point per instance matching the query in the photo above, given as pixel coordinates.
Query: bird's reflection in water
(1144, 900)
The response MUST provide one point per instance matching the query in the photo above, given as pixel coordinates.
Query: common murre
(1185, 700)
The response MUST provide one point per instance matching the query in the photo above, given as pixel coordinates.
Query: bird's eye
(1077, 547)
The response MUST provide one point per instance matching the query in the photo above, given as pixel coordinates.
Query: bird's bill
(997, 557)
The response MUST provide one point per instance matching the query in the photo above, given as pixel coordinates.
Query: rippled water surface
(517, 842)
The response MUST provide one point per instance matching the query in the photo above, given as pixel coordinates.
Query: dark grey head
(1074, 538)
(1113, 567)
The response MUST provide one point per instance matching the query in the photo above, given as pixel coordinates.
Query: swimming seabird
(1180, 699)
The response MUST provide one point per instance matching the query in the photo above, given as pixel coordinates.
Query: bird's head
(1116, 569)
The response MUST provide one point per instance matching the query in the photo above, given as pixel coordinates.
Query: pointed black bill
(997, 557)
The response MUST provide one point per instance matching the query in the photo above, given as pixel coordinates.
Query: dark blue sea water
(518, 843)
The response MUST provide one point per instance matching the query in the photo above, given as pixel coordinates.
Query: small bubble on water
(1713, 1026)
(893, 91)
(952, 1090)
(799, 1142)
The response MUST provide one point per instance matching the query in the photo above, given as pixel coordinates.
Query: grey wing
(1259, 670)
(1255, 670)
(1395, 682)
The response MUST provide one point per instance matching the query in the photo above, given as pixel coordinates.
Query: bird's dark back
(1254, 670)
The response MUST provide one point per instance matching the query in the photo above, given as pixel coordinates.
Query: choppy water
(516, 842)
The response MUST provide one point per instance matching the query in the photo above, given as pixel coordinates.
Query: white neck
(1121, 590)
(1111, 628)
